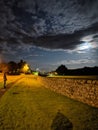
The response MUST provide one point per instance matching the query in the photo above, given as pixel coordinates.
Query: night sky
(48, 33)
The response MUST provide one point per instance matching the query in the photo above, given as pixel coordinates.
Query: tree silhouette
(23, 66)
(12, 67)
(15, 68)
(61, 70)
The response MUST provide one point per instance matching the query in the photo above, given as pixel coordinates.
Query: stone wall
(84, 90)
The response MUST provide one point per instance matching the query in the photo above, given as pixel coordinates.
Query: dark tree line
(62, 70)
(15, 68)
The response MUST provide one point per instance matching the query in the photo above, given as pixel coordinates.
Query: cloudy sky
(48, 33)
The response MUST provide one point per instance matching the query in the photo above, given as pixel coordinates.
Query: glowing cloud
(84, 46)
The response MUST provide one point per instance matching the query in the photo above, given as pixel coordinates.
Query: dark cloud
(96, 36)
(53, 24)
(60, 14)
(66, 41)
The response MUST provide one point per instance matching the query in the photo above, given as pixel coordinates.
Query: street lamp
(25, 68)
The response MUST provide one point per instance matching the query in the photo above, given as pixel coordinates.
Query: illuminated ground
(27, 105)
(77, 77)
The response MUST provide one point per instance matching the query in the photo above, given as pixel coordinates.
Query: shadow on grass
(61, 122)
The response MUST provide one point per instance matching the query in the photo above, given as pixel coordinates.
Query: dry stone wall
(84, 90)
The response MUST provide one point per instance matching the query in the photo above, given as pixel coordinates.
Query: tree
(3, 67)
(23, 67)
(61, 70)
(12, 67)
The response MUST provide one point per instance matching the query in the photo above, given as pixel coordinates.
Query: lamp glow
(25, 68)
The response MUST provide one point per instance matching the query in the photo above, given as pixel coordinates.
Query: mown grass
(27, 105)
(1, 85)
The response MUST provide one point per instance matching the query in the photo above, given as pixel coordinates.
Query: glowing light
(35, 73)
(25, 68)
(90, 41)
(84, 46)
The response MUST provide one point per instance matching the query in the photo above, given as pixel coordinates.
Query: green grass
(1, 85)
(27, 105)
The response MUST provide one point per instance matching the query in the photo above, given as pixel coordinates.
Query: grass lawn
(27, 105)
